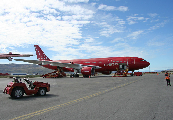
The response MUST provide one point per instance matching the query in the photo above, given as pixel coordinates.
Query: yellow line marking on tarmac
(27, 116)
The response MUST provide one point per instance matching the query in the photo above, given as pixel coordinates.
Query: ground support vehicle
(16, 89)
(122, 73)
(137, 73)
(55, 74)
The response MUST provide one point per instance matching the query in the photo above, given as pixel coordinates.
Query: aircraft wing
(52, 63)
(70, 65)
(29, 61)
(8, 56)
(15, 55)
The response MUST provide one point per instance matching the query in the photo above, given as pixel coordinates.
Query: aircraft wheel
(86, 76)
(17, 93)
(42, 91)
(76, 75)
(71, 76)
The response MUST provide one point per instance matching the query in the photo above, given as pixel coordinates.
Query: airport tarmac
(144, 97)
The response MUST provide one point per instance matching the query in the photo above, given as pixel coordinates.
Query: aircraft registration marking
(27, 116)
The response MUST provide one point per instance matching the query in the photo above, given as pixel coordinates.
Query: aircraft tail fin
(40, 54)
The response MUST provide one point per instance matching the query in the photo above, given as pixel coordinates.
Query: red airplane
(90, 66)
(8, 56)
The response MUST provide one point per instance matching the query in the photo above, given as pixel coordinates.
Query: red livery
(90, 66)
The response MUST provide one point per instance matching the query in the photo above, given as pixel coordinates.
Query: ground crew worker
(167, 74)
(168, 80)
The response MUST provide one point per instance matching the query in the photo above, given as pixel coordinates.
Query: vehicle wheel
(42, 91)
(17, 93)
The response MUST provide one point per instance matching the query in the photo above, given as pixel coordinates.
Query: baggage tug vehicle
(16, 89)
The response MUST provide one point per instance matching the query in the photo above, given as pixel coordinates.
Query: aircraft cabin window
(94, 62)
(120, 61)
(87, 62)
(117, 61)
(124, 61)
(113, 61)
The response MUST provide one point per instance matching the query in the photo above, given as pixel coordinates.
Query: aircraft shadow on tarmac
(31, 97)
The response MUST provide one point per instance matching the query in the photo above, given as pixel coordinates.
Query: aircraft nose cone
(147, 64)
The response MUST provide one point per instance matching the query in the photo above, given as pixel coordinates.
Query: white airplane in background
(10, 55)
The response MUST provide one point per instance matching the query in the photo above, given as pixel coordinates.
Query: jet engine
(87, 71)
(107, 72)
(9, 58)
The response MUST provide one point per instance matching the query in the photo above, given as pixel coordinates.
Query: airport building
(18, 73)
(169, 71)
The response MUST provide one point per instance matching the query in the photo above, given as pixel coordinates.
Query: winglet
(40, 54)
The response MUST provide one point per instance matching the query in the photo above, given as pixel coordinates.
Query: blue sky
(74, 29)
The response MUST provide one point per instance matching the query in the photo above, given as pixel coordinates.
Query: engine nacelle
(107, 72)
(88, 71)
(9, 58)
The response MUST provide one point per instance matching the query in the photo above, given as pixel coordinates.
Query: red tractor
(16, 89)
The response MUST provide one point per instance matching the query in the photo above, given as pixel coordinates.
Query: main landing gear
(74, 75)
(132, 73)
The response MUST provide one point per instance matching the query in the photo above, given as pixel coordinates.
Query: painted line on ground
(27, 116)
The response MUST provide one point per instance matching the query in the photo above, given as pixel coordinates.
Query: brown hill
(23, 68)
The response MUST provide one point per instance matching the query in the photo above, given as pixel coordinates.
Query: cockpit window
(143, 60)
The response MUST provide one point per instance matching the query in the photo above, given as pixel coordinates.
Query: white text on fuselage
(112, 64)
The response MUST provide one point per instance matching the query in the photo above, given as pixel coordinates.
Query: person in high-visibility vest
(168, 80)
(167, 74)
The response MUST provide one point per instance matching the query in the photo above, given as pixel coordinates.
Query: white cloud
(110, 24)
(122, 8)
(76, 1)
(119, 50)
(108, 29)
(111, 8)
(40, 22)
(153, 15)
(105, 7)
(117, 40)
(76, 9)
(90, 39)
(156, 42)
(135, 34)
(133, 19)
(151, 43)
(158, 25)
